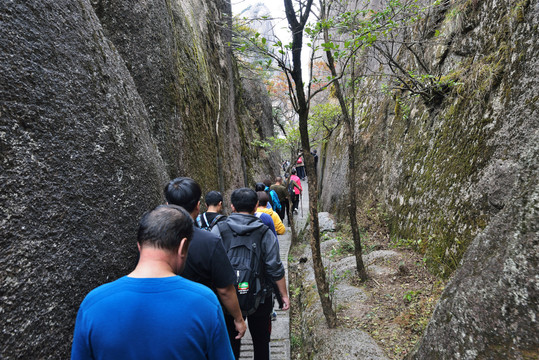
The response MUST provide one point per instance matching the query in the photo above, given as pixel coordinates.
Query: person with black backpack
(253, 251)
(207, 262)
(214, 204)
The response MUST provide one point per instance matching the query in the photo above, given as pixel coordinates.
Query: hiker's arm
(274, 267)
(281, 285)
(230, 301)
(279, 226)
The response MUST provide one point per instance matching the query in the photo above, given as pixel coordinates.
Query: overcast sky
(276, 7)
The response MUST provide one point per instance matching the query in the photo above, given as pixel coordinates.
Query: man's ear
(196, 210)
(181, 258)
(138, 246)
(184, 248)
(233, 208)
(256, 207)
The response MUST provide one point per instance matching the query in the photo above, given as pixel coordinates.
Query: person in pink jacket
(295, 183)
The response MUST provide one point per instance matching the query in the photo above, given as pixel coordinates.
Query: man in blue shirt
(152, 313)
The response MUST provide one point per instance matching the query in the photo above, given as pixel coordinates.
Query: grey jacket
(241, 224)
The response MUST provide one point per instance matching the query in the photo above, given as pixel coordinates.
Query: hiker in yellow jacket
(263, 199)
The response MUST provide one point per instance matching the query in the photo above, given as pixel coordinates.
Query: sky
(281, 30)
(276, 7)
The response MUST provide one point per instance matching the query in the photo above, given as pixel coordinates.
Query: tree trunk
(350, 130)
(352, 206)
(303, 113)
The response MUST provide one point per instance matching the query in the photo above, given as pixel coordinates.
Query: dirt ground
(398, 299)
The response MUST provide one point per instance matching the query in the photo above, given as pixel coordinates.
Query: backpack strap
(226, 234)
(259, 266)
(216, 220)
(199, 221)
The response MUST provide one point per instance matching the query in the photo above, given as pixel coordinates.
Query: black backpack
(245, 255)
(291, 192)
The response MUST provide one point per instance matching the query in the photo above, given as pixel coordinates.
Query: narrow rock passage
(280, 333)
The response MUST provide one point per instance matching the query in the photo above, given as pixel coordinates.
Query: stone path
(280, 333)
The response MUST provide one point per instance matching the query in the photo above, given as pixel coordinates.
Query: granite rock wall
(101, 103)
(459, 176)
(441, 172)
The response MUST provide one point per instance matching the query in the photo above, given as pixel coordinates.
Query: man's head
(314, 151)
(214, 201)
(260, 187)
(278, 180)
(293, 171)
(184, 192)
(244, 200)
(267, 182)
(164, 228)
(263, 198)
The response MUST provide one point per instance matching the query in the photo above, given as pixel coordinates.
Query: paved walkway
(280, 333)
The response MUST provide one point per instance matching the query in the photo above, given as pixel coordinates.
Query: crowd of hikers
(229, 271)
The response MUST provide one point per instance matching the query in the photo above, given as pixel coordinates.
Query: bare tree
(348, 116)
(300, 100)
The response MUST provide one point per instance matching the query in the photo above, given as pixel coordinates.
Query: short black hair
(164, 227)
(244, 200)
(184, 192)
(267, 182)
(293, 171)
(263, 198)
(260, 186)
(213, 198)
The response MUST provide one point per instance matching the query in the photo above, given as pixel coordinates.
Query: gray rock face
(489, 309)
(178, 54)
(78, 168)
(320, 342)
(441, 173)
(462, 174)
(349, 344)
(325, 222)
(101, 103)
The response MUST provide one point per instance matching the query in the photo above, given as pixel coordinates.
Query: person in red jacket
(295, 184)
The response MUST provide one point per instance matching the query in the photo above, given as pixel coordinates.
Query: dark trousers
(284, 209)
(260, 328)
(295, 202)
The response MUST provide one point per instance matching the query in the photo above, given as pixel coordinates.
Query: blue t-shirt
(267, 220)
(151, 318)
